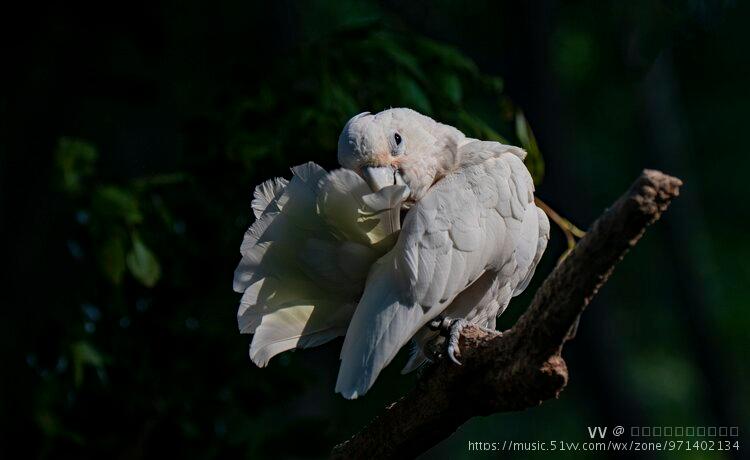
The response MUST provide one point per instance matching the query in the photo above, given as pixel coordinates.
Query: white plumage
(306, 257)
(325, 256)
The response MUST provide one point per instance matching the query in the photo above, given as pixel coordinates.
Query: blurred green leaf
(412, 94)
(534, 160)
(52, 427)
(112, 257)
(116, 203)
(385, 43)
(336, 99)
(573, 54)
(142, 263)
(450, 86)
(249, 147)
(495, 84)
(159, 180)
(446, 55)
(84, 354)
(75, 160)
(475, 127)
(263, 101)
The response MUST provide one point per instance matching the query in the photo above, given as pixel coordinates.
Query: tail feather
(266, 195)
(416, 359)
(381, 325)
(294, 327)
(305, 259)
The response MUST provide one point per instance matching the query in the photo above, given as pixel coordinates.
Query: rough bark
(522, 367)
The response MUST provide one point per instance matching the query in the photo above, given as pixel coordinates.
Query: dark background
(133, 134)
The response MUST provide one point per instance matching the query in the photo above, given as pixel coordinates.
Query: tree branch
(522, 367)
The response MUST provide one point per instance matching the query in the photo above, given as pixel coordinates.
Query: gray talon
(451, 330)
(454, 332)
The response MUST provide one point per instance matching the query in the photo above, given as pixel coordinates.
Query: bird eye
(397, 137)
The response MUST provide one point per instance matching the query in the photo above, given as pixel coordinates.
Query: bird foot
(451, 329)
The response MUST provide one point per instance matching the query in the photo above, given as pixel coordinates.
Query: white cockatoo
(328, 255)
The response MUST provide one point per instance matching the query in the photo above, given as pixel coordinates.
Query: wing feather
(466, 224)
(266, 195)
(306, 257)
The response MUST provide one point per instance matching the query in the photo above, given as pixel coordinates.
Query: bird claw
(451, 329)
(454, 333)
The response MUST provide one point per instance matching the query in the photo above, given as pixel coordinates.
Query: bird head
(399, 146)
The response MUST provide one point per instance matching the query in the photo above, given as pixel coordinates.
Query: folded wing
(468, 222)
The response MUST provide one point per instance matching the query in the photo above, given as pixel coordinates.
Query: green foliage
(84, 354)
(113, 214)
(116, 205)
(111, 254)
(142, 263)
(534, 160)
(75, 160)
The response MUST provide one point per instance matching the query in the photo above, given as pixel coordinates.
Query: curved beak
(379, 177)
